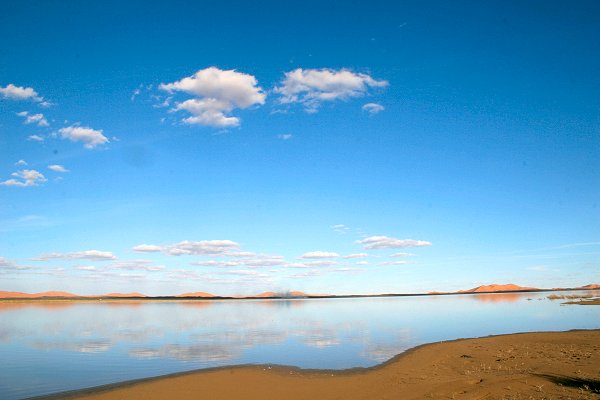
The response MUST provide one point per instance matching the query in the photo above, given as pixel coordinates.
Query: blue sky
(255, 147)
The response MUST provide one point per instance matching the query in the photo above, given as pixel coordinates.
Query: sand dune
(591, 286)
(493, 288)
(510, 287)
(196, 294)
(20, 295)
(266, 294)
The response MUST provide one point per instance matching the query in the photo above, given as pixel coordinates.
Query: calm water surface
(56, 346)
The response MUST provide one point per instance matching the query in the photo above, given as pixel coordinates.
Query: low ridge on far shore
(492, 288)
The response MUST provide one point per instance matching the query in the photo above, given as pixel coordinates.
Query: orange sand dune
(196, 294)
(20, 295)
(55, 294)
(266, 294)
(591, 286)
(14, 295)
(510, 287)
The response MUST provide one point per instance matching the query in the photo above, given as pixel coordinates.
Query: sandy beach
(562, 365)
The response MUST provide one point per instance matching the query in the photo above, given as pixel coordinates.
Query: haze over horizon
(321, 147)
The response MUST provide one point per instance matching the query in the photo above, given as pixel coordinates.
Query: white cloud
(357, 255)
(136, 265)
(209, 112)
(183, 274)
(307, 274)
(133, 276)
(86, 268)
(13, 92)
(349, 269)
(362, 263)
(311, 87)
(394, 263)
(90, 137)
(265, 262)
(285, 136)
(214, 263)
(385, 242)
(57, 168)
(147, 248)
(8, 266)
(320, 263)
(252, 263)
(241, 254)
(21, 163)
(186, 247)
(135, 93)
(78, 255)
(244, 272)
(373, 108)
(5, 263)
(319, 254)
(28, 177)
(340, 228)
(203, 247)
(36, 138)
(402, 255)
(218, 92)
(37, 119)
(296, 265)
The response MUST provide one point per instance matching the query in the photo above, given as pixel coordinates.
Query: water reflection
(91, 346)
(195, 352)
(92, 343)
(49, 305)
(400, 341)
(501, 297)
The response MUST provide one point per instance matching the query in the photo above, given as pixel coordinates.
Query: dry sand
(563, 365)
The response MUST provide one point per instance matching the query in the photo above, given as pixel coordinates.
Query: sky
(326, 147)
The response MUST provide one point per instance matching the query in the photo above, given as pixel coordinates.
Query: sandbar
(586, 302)
(557, 365)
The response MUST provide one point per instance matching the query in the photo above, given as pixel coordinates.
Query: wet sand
(562, 365)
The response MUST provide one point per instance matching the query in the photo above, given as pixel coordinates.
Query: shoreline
(417, 371)
(308, 297)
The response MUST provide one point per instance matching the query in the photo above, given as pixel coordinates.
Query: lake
(53, 346)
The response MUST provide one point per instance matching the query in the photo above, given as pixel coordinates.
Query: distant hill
(20, 295)
(196, 294)
(510, 287)
(266, 294)
(591, 286)
(493, 288)
(298, 294)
